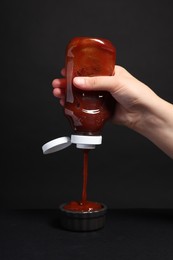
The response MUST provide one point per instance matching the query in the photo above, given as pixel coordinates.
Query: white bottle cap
(81, 141)
(86, 141)
(56, 145)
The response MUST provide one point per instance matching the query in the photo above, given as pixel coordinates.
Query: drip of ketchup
(84, 204)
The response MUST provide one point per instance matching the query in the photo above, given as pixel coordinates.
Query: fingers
(59, 93)
(59, 83)
(107, 83)
(62, 101)
(59, 89)
(63, 72)
(113, 83)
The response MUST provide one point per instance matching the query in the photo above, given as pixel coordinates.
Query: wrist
(156, 124)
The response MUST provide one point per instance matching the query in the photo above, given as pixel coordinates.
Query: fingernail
(79, 81)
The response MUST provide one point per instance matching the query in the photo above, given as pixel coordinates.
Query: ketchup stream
(84, 204)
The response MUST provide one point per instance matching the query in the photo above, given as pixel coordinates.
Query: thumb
(106, 83)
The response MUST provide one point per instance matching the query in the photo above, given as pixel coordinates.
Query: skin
(138, 107)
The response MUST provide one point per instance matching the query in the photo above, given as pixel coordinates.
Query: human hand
(138, 107)
(131, 94)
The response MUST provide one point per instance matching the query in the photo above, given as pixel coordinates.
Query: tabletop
(127, 234)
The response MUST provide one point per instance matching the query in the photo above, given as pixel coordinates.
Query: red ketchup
(87, 111)
(84, 204)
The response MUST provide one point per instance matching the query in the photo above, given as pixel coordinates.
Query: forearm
(157, 125)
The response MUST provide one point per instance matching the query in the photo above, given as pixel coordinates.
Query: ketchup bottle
(88, 111)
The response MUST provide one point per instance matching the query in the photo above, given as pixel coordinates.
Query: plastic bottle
(88, 111)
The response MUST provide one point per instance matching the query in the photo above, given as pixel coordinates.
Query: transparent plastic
(88, 111)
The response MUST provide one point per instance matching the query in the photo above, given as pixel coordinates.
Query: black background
(127, 170)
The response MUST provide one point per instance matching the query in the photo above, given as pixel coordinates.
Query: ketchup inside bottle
(87, 111)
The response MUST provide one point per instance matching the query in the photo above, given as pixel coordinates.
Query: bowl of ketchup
(82, 216)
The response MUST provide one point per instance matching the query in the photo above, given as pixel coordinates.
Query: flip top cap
(56, 145)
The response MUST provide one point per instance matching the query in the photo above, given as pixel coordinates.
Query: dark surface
(134, 234)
